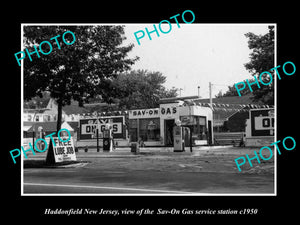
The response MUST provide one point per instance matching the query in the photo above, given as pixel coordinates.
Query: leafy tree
(37, 102)
(232, 90)
(262, 59)
(219, 95)
(141, 89)
(77, 71)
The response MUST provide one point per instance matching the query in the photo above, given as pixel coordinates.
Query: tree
(37, 102)
(77, 71)
(219, 95)
(262, 59)
(232, 90)
(141, 89)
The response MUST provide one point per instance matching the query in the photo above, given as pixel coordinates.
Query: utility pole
(210, 98)
(97, 136)
(211, 106)
(97, 132)
(189, 103)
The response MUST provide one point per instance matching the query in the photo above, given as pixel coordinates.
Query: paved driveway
(160, 172)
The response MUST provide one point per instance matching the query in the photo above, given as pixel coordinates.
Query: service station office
(154, 127)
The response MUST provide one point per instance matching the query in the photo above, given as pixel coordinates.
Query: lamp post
(97, 132)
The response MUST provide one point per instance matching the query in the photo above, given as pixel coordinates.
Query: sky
(195, 54)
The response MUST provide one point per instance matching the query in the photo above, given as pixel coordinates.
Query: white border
(22, 107)
(275, 109)
(187, 194)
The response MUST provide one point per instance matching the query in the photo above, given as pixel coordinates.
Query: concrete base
(259, 141)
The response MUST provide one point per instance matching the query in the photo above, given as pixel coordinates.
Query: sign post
(97, 134)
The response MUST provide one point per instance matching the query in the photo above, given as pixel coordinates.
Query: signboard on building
(169, 111)
(144, 113)
(262, 122)
(188, 120)
(61, 152)
(88, 127)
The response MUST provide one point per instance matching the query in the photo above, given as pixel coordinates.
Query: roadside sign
(61, 152)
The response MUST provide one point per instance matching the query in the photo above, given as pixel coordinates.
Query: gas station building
(155, 127)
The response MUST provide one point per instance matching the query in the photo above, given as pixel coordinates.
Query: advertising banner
(61, 152)
(262, 122)
(88, 127)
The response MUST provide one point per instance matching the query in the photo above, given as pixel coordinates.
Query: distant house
(49, 112)
(46, 127)
(45, 117)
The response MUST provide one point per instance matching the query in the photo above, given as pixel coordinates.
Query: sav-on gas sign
(88, 127)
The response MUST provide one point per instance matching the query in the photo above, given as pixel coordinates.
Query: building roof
(225, 107)
(74, 108)
(42, 110)
(245, 99)
(175, 99)
(47, 126)
(73, 124)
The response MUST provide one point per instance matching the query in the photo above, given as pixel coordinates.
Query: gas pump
(178, 134)
(107, 138)
(40, 135)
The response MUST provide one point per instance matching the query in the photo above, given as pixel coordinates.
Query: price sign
(62, 151)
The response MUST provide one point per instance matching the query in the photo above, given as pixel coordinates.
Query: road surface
(153, 172)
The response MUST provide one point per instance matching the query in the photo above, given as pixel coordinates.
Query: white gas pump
(178, 137)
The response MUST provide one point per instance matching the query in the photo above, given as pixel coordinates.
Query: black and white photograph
(159, 116)
(166, 113)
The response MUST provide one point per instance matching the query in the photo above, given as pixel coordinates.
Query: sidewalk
(125, 152)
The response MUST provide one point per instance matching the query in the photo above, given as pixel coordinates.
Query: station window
(149, 129)
(198, 125)
(144, 129)
(199, 129)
